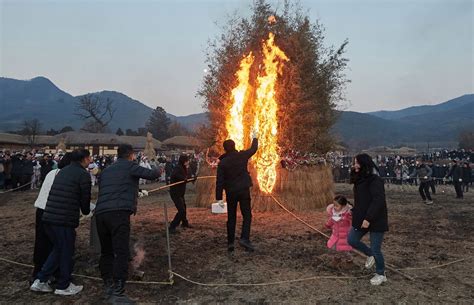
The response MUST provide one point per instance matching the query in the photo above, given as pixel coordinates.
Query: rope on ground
(88, 276)
(332, 277)
(438, 266)
(17, 188)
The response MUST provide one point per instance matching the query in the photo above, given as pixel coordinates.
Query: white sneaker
(378, 279)
(429, 202)
(369, 263)
(40, 287)
(70, 290)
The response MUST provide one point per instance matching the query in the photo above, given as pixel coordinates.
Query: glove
(221, 203)
(460, 180)
(254, 134)
(425, 177)
(145, 193)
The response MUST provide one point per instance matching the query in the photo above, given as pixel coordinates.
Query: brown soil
(420, 236)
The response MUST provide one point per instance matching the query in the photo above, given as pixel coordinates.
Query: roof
(182, 141)
(12, 138)
(80, 138)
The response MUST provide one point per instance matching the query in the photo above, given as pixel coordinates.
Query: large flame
(263, 110)
(235, 117)
(266, 121)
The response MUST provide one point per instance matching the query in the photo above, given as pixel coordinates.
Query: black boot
(118, 295)
(108, 288)
(186, 224)
(247, 245)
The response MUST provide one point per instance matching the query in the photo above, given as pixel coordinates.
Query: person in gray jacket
(423, 172)
(118, 193)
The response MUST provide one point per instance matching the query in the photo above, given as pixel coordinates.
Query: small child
(339, 221)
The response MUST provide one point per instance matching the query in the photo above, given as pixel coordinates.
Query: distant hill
(40, 98)
(423, 110)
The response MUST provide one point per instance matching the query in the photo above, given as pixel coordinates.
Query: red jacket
(340, 228)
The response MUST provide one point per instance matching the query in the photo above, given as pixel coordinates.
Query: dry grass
(306, 188)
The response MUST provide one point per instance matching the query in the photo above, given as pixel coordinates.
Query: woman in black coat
(180, 173)
(369, 214)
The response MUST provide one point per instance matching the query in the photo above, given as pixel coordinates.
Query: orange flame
(235, 118)
(263, 112)
(266, 121)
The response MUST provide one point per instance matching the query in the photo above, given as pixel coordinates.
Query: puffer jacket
(423, 172)
(370, 204)
(70, 192)
(340, 228)
(118, 187)
(232, 173)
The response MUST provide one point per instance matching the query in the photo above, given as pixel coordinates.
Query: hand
(460, 180)
(254, 134)
(221, 203)
(365, 224)
(425, 177)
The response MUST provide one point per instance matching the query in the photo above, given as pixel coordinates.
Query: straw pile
(306, 188)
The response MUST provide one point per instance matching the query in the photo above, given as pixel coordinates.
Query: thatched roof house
(182, 143)
(97, 143)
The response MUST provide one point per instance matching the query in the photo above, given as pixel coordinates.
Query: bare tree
(96, 113)
(31, 129)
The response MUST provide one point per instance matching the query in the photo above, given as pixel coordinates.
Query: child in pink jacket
(339, 221)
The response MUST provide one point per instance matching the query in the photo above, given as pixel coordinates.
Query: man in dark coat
(118, 193)
(177, 192)
(234, 178)
(46, 166)
(69, 194)
(456, 174)
(27, 171)
(424, 173)
(466, 177)
(17, 169)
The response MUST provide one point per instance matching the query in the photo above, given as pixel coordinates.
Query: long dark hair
(367, 168)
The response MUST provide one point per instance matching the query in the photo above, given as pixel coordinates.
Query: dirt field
(420, 236)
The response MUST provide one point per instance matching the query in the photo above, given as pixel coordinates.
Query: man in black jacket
(456, 174)
(234, 178)
(118, 193)
(70, 192)
(180, 174)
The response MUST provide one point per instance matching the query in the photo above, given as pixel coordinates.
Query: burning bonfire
(273, 75)
(258, 110)
(261, 111)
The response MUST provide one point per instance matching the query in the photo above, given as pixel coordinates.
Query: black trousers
(180, 217)
(242, 197)
(424, 190)
(61, 256)
(458, 189)
(43, 244)
(432, 185)
(465, 187)
(114, 235)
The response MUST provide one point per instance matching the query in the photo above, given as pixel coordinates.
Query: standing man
(234, 178)
(423, 172)
(456, 174)
(70, 192)
(118, 193)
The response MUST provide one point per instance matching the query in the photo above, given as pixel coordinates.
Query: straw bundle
(305, 188)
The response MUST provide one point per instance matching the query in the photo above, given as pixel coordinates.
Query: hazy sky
(401, 52)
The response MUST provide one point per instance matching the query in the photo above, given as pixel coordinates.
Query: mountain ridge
(41, 98)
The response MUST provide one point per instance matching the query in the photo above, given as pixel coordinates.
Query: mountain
(423, 110)
(40, 98)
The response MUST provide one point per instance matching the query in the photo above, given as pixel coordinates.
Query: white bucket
(219, 208)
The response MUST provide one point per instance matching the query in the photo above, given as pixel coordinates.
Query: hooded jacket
(340, 228)
(232, 172)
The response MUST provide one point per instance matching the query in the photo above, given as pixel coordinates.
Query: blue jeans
(376, 238)
(63, 239)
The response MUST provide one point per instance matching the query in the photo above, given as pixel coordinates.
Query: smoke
(139, 255)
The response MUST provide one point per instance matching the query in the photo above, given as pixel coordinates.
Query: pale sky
(401, 52)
